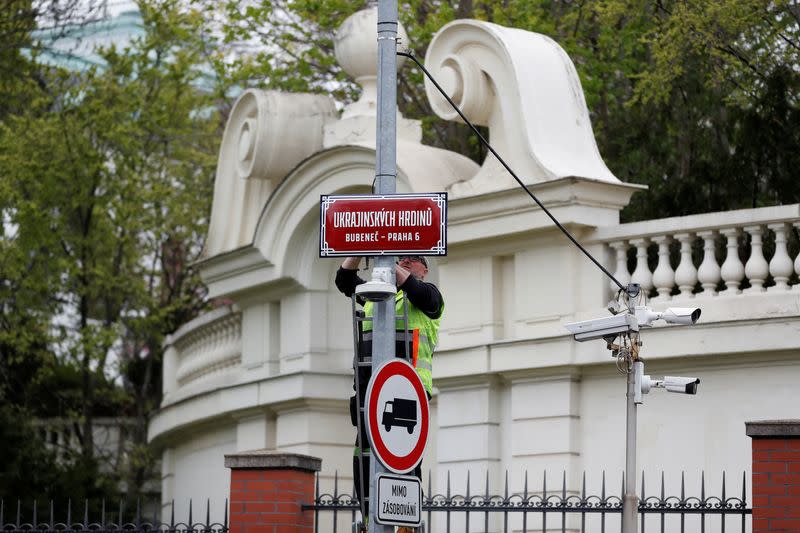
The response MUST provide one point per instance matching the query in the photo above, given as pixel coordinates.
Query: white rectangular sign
(399, 500)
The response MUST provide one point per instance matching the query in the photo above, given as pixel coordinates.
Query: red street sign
(397, 416)
(383, 224)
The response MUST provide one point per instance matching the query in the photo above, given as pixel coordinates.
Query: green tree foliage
(105, 187)
(683, 95)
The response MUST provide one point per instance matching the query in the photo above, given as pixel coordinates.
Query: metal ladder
(360, 360)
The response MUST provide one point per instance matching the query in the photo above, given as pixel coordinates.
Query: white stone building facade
(513, 391)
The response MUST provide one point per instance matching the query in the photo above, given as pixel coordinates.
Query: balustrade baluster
(797, 261)
(686, 273)
(663, 276)
(709, 271)
(621, 273)
(641, 274)
(780, 266)
(732, 270)
(756, 268)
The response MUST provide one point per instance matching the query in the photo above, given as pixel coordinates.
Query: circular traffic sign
(397, 416)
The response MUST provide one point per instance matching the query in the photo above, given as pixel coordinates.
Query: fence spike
(190, 513)
(506, 494)
(744, 493)
(526, 503)
(641, 521)
(643, 493)
(603, 486)
(525, 488)
(683, 488)
(583, 489)
(622, 494)
(86, 512)
(225, 515)
(19, 510)
(102, 511)
(544, 486)
(485, 501)
(744, 499)
(564, 486)
(662, 487)
(208, 511)
(69, 512)
(35, 518)
(172, 515)
(544, 500)
(448, 485)
(52, 521)
(723, 487)
(703, 486)
(468, 472)
(336, 483)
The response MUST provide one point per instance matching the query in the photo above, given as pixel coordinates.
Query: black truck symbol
(400, 412)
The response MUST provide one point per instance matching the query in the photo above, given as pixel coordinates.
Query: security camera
(644, 383)
(682, 385)
(681, 315)
(643, 316)
(378, 288)
(600, 328)
(686, 316)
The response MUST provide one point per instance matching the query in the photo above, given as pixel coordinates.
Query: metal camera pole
(630, 501)
(385, 178)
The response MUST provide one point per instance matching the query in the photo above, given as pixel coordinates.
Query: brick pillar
(268, 490)
(776, 475)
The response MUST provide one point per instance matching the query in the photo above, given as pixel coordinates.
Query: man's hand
(401, 274)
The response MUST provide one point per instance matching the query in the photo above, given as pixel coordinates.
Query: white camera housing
(643, 383)
(378, 288)
(686, 316)
(599, 328)
(680, 384)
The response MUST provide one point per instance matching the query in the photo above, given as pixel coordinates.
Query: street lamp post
(383, 342)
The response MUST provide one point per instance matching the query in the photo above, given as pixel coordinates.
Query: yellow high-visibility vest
(424, 331)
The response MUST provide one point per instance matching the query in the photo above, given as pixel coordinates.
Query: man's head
(416, 264)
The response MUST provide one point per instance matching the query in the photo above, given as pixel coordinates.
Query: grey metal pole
(383, 340)
(630, 501)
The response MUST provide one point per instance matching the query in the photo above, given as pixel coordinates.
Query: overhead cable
(510, 171)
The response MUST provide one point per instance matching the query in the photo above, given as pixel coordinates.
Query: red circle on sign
(396, 463)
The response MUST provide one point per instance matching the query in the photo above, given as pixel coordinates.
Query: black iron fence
(557, 510)
(96, 517)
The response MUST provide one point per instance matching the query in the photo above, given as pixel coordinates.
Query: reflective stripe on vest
(400, 335)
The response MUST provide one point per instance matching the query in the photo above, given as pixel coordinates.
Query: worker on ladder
(423, 304)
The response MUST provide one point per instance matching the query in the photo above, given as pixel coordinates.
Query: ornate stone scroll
(524, 87)
(267, 135)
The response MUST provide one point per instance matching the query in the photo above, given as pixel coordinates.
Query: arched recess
(287, 233)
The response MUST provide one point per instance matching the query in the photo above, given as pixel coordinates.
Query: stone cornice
(271, 460)
(775, 429)
(574, 201)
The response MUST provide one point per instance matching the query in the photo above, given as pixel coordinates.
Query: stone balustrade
(205, 346)
(732, 252)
